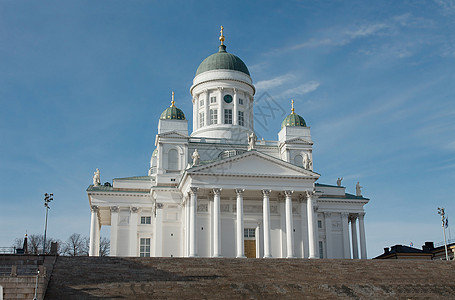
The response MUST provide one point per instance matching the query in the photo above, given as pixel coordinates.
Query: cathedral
(220, 192)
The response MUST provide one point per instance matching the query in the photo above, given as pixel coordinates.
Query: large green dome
(293, 120)
(222, 61)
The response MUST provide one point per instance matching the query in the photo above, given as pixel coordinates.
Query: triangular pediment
(298, 141)
(172, 134)
(253, 163)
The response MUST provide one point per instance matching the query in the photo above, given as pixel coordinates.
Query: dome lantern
(293, 119)
(172, 112)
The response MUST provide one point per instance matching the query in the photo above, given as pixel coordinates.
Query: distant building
(428, 252)
(219, 191)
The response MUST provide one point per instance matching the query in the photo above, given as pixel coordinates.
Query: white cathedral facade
(220, 192)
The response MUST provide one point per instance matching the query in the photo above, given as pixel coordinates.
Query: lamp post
(443, 219)
(47, 198)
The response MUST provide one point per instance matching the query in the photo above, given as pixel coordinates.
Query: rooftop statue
(96, 178)
(252, 139)
(339, 181)
(196, 157)
(358, 191)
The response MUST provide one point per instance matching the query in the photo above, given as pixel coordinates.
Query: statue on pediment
(196, 157)
(358, 191)
(339, 181)
(307, 162)
(252, 139)
(96, 178)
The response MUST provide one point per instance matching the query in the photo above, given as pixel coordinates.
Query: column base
(217, 256)
(291, 257)
(193, 255)
(268, 256)
(243, 256)
(313, 257)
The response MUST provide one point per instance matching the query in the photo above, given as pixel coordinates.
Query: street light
(443, 219)
(47, 198)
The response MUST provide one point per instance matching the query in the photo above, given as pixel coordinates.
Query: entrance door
(250, 248)
(250, 242)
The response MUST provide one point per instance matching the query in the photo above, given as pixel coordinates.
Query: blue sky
(82, 85)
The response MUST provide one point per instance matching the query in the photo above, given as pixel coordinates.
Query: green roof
(293, 120)
(222, 61)
(172, 113)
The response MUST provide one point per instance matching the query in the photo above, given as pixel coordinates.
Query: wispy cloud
(448, 6)
(274, 82)
(302, 89)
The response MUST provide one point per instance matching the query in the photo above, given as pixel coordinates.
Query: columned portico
(193, 221)
(94, 232)
(239, 226)
(311, 228)
(355, 247)
(363, 246)
(266, 221)
(216, 223)
(289, 225)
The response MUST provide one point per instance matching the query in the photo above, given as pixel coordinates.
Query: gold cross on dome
(292, 103)
(172, 102)
(222, 36)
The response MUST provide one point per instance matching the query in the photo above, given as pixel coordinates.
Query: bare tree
(105, 246)
(35, 243)
(74, 245)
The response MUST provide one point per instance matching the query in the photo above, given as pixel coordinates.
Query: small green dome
(222, 61)
(293, 120)
(172, 113)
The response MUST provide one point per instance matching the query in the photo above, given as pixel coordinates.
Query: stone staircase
(222, 278)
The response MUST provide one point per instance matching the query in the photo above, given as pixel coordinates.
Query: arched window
(298, 160)
(173, 159)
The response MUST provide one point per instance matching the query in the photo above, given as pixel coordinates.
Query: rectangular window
(146, 220)
(201, 119)
(213, 116)
(201, 103)
(319, 224)
(145, 247)
(228, 116)
(249, 232)
(241, 119)
(321, 249)
(240, 101)
(212, 99)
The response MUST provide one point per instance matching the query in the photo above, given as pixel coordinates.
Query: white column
(236, 107)
(304, 229)
(363, 245)
(193, 221)
(133, 231)
(328, 234)
(311, 228)
(97, 240)
(187, 229)
(239, 232)
(195, 112)
(266, 222)
(114, 231)
(346, 244)
(289, 225)
(94, 228)
(207, 110)
(158, 230)
(216, 223)
(282, 209)
(355, 247)
(219, 99)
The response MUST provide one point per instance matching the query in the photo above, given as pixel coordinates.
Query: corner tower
(222, 93)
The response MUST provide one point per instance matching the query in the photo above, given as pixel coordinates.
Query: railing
(439, 244)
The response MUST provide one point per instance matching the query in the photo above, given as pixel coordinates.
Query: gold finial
(172, 102)
(222, 36)
(292, 109)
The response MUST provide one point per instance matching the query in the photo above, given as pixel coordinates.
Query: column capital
(235, 90)
(288, 193)
(193, 190)
(266, 192)
(239, 191)
(134, 209)
(352, 217)
(345, 215)
(361, 215)
(327, 214)
(114, 209)
(217, 191)
(94, 208)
